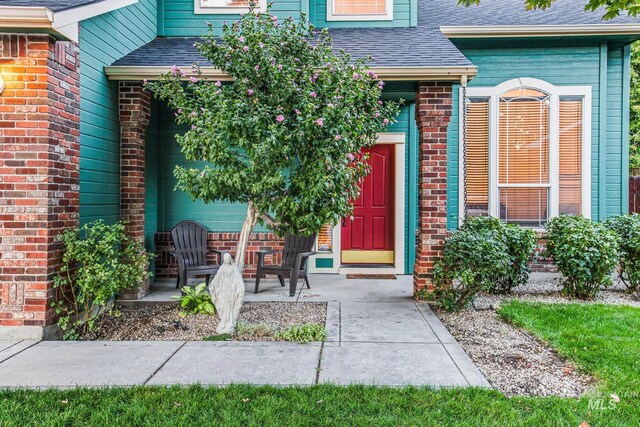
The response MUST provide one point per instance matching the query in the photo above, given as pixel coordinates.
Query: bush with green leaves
(286, 136)
(627, 227)
(195, 300)
(98, 261)
(521, 244)
(585, 252)
(305, 333)
(469, 264)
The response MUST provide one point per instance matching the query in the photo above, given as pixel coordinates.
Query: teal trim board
(626, 93)
(602, 141)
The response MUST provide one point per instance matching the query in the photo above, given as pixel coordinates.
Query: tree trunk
(245, 233)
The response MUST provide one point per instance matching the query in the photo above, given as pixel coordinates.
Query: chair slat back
(294, 245)
(190, 239)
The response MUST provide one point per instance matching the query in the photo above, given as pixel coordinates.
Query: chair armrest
(300, 257)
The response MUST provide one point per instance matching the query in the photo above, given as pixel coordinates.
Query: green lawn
(601, 339)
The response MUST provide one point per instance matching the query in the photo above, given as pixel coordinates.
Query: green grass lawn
(600, 339)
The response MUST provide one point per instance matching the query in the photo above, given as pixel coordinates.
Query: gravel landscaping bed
(514, 362)
(163, 323)
(546, 289)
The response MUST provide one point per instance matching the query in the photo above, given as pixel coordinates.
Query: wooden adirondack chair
(190, 242)
(294, 261)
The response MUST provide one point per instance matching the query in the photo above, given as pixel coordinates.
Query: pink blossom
(280, 67)
(218, 83)
(379, 102)
(338, 137)
(219, 91)
(274, 18)
(193, 79)
(377, 114)
(179, 110)
(246, 48)
(174, 70)
(257, 68)
(182, 74)
(373, 75)
(385, 122)
(241, 39)
(280, 118)
(314, 78)
(193, 114)
(356, 76)
(297, 111)
(320, 122)
(313, 95)
(380, 84)
(250, 92)
(193, 127)
(350, 157)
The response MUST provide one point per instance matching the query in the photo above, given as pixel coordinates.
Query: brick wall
(135, 114)
(39, 170)
(433, 113)
(167, 267)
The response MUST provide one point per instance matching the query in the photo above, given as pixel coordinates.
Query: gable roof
(54, 5)
(56, 17)
(422, 51)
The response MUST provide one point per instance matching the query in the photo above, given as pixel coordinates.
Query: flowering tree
(612, 8)
(286, 136)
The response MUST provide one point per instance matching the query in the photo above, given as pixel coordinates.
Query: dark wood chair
(190, 243)
(295, 254)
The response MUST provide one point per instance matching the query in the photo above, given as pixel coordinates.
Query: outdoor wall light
(2, 85)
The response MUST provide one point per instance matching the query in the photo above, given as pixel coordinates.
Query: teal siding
(404, 15)
(178, 18)
(151, 185)
(574, 65)
(614, 176)
(104, 39)
(174, 206)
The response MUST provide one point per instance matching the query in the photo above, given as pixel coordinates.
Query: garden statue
(227, 291)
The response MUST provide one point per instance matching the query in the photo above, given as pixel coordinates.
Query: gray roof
(55, 5)
(419, 46)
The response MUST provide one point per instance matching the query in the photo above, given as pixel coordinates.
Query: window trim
(555, 92)
(362, 17)
(200, 9)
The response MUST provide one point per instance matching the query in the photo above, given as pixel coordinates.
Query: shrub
(303, 333)
(585, 252)
(195, 300)
(99, 261)
(468, 265)
(627, 227)
(520, 242)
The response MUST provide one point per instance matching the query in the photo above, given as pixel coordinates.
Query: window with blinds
(507, 169)
(225, 3)
(359, 7)
(477, 158)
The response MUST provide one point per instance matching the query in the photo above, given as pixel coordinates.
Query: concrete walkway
(376, 335)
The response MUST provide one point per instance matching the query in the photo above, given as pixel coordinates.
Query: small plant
(585, 252)
(98, 261)
(195, 300)
(221, 337)
(468, 265)
(246, 330)
(627, 227)
(520, 242)
(305, 333)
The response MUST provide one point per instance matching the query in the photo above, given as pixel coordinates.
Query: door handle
(344, 222)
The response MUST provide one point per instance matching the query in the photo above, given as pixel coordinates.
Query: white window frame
(200, 8)
(331, 16)
(555, 93)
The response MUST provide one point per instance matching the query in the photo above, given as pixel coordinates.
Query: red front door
(369, 237)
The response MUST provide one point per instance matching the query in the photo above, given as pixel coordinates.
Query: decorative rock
(227, 291)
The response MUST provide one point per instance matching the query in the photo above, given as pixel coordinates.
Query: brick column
(433, 113)
(135, 114)
(39, 175)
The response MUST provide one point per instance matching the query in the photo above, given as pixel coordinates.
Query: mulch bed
(163, 322)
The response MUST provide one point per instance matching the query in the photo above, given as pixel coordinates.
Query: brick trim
(433, 113)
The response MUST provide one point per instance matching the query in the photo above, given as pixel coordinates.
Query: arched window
(526, 157)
